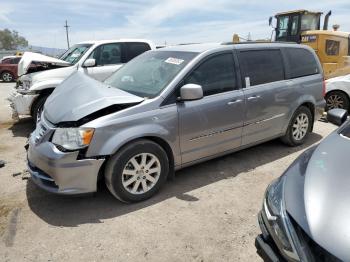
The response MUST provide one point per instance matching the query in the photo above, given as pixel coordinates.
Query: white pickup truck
(39, 75)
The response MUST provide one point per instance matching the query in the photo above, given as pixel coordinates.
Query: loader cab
(290, 25)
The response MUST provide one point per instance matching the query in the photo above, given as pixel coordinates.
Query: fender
(304, 99)
(46, 84)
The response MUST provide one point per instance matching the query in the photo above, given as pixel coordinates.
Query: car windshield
(148, 74)
(73, 54)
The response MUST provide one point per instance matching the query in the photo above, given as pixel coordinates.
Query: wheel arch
(42, 93)
(308, 104)
(338, 90)
(156, 139)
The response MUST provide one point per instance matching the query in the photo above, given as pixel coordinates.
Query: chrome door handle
(234, 102)
(253, 97)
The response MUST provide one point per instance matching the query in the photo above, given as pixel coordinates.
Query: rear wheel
(337, 99)
(38, 107)
(7, 77)
(137, 171)
(299, 127)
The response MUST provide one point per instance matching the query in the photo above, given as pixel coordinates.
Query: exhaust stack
(326, 18)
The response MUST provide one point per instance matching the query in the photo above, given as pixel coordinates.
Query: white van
(40, 74)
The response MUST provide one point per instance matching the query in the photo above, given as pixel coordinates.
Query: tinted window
(295, 25)
(15, 60)
(301, 62)
(108, 54)
(332, 47)
(135, 49)
(215, 75)
(262, 66)
(5, 61)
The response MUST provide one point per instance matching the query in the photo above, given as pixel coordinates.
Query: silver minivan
(171, 108)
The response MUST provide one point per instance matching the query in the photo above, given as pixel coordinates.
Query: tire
(131, 182)
(299, 127)
(38, 107)
(337, 99)
(7, 77)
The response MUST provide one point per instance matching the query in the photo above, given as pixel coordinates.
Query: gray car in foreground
(305, 214)
(171, 108)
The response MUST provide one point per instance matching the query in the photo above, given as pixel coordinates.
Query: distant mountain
(45, 50)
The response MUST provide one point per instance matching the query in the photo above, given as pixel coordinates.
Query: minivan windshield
(73, 54)
(148, 74)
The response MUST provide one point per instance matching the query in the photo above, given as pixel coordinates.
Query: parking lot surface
(208, 213)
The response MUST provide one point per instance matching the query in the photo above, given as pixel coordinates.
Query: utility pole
(66, 26)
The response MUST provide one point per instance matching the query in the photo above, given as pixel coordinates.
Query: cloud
(174, 21)
(5, 12)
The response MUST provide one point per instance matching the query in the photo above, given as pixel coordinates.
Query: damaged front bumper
(21, 104)
(61, 172)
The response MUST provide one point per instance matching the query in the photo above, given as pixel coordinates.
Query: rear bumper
(21, 104)
(62, 172)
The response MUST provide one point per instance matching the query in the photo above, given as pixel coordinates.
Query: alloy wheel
(141, 173)
(300, 126)
(335, 101)
(7, 77)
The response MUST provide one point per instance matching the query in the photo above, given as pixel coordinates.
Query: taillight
(324, 88)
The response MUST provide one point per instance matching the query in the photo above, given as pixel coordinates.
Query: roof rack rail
(257, 42)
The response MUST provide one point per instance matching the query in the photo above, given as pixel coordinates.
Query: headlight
(24, 85)
(73, 138)
(275, 213)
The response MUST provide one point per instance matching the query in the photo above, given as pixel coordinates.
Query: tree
(10, 40)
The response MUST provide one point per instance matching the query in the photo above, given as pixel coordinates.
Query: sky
(162, 21)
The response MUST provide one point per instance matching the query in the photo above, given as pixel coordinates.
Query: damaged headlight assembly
(25, 82)
(278, 222)
(73, 138)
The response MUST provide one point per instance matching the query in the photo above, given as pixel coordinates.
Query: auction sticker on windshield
(175, 61)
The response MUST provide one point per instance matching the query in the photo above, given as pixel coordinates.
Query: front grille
(320, 254)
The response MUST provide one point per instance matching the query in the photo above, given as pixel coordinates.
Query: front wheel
(137, 171)
(38, 108)
(299, 127)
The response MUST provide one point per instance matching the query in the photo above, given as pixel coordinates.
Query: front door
(214, 123)
(108, 59)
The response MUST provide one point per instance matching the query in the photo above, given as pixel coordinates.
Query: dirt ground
(208, 213)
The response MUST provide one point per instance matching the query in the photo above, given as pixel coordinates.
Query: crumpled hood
(80, 95)
(28, 58)
(317, 194)
(57, 73)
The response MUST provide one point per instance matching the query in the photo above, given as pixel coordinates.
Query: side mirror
(270, 21)
(337, 116)
(191, 92)
(89, 62)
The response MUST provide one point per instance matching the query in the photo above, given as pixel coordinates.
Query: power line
(66, 26)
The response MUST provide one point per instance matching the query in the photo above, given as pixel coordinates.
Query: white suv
(98, 59)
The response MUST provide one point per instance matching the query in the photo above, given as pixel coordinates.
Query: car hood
(29, 58)
(57, 73)
(80, 96)
(317, 194)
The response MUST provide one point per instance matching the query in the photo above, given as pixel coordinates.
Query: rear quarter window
(135, 49)
(262, 66)
(301, 62)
